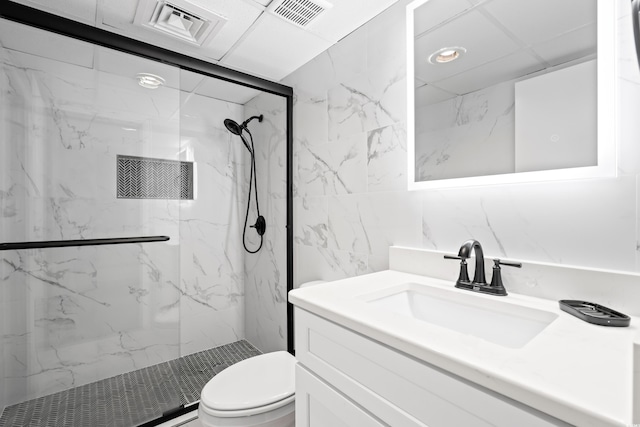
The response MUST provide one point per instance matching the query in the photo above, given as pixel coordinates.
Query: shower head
(237, 129)
(233, 127)
(246, 122)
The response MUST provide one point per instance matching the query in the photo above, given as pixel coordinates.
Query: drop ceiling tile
(240, 15)
(42, 43)
(274, 48)
(539, 20)
(345, 16)
(483, 40)
(435, 12)
(567, 47)
(266, 55)
(506, 68)
(78, 10)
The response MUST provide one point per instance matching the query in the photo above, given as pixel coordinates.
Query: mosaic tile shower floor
(129, 399)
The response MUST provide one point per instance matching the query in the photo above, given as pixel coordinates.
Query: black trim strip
(172, 415)
(290, 337)
(635, 12)
(82, 242)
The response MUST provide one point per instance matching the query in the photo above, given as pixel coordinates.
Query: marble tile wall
(351, 200)
(211, 254)
(266, 271)
(74, 315)
(469, 135)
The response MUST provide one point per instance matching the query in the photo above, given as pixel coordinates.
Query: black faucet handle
(463, 277)
(498, 262)
(497, 287)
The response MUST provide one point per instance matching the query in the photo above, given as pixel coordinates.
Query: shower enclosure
(142, 283)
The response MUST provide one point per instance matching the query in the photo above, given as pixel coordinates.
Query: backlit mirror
(509, 91)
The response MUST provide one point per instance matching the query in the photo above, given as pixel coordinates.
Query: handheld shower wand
(260, 224)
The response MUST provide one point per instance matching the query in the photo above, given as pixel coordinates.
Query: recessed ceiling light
(446, 54)
(149, 81)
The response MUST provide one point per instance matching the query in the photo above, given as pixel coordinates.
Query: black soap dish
(594, 313)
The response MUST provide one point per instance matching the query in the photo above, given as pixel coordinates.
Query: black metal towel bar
(83, 242)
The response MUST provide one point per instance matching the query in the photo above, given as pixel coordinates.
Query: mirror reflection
(504, 86)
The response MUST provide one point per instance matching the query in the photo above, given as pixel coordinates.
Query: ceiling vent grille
(299, 12)
(180, 19)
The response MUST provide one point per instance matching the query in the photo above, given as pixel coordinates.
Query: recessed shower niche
(90, 306)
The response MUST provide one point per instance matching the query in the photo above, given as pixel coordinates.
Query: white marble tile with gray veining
(312, 217)
(511, 223)
(334, 168)
(470, 135)
(370, 223)
(265, 271)
(387, 158)
(318, 263)
(358, 106)
(311, 118)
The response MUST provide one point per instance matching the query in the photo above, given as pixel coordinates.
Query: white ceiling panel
(435, 12)
(507, 68)
(573, 45)
(345, 16)
(540, 20)
(274, 50)
(483, 40)
(78, 10)
(252, 40)
(240, 16)
(45, 44)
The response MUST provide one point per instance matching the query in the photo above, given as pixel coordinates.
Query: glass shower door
(86, 152)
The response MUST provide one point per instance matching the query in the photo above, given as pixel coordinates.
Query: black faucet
(479, 283)
(465, 253)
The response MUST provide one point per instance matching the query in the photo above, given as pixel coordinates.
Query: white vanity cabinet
(346, 379)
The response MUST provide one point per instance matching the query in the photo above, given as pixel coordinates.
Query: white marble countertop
(575, 371)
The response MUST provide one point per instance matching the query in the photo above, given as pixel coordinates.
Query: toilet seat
(246, 412)
(253, 386)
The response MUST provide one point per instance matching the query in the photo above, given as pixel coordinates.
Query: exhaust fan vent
(180, 19)
(299, 12)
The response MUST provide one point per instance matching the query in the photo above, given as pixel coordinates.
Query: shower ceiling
(252, 39)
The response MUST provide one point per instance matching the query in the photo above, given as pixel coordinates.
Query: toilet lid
(251, 383)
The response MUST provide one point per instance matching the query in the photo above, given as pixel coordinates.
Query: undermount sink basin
(509, 325)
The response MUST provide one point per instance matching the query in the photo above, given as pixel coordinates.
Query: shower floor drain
(129, 399)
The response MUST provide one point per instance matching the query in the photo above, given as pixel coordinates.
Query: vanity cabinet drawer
(398, 389)
(319, 405)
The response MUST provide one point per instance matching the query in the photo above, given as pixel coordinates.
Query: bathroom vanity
(403, 349)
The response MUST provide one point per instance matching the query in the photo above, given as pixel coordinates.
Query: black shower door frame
(77, 30)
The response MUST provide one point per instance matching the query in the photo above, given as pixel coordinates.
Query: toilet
(256, 392)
